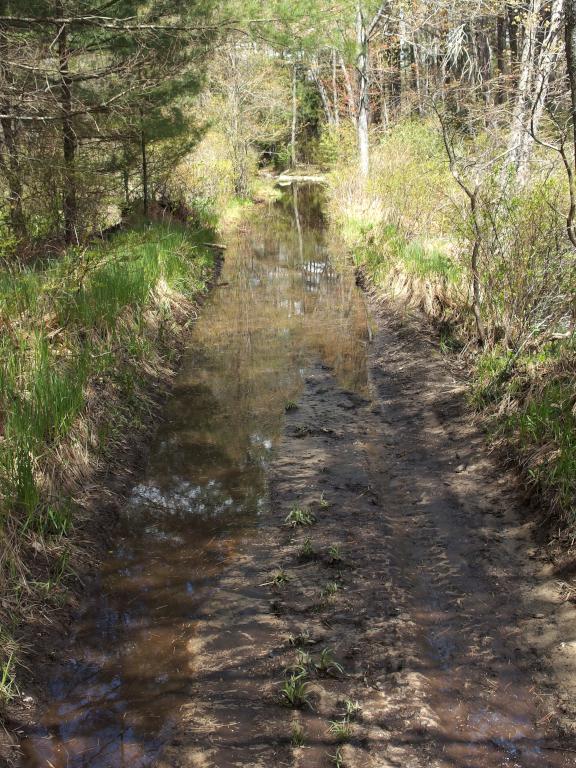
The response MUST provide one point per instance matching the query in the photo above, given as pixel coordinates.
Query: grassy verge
(409, 232)
(531, 402)
(84, 341)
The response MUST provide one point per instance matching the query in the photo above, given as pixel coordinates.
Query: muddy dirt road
(319, 522)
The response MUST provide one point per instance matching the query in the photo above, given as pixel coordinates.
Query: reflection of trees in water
(285, 304)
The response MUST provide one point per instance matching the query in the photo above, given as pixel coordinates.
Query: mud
(417, 608)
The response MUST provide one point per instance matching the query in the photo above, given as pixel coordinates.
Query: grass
(352, 708)
(389, 248)
(341, 729)
(279, 580)
(7, 681)
(533, 404)
(298, 735)
(331, 590)
(307, 551)
(81, 337)
(335, 554)
(295, 690)
(299, 516)
(337, 759)
(327, 663)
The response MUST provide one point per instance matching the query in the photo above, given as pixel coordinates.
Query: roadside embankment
(89, 343)
(411, 234)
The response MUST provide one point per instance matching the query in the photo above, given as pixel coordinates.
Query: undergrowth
(82, 336)
(532, 399)
(410, 233)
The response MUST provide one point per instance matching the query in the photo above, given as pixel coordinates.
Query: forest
(136, 135)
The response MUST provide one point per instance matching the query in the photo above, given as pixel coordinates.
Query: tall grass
(78, 335)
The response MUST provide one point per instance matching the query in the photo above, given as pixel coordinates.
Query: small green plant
(299, 516)
(307, 550)
(280, 579)
(337, 758)
(298, 736)
(290, 405)
(7, 685)
(323, 503)
(341, 729)
(303, 662)
(335, 554)
(295, 691)
(352, 708)
(331, 590)
(327, 664)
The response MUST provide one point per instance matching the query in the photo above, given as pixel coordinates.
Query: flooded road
(411, 605)
(282, 305)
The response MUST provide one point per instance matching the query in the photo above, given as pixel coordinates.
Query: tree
(96, 73)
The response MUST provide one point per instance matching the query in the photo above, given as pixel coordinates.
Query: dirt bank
(450, 639)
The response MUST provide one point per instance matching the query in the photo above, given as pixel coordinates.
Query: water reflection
(283, 305)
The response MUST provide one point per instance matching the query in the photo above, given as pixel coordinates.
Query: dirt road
(448, 641)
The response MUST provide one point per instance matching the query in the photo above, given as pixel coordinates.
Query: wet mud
(318, 510)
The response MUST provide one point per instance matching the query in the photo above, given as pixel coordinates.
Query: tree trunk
(416, 84)
(520, 142)
(363, 93)
(69, 143)
(512, 24)
(326, 101)
(570, 42)
(335, 104)
(475, 268)
(570, 17)
(293, 153)
(11, 166)
(396, 77)
(144, 161)
(349, 90)
(501, 64)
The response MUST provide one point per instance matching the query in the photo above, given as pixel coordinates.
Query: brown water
(116, 698)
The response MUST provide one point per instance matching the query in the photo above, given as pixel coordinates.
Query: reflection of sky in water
(183, 499)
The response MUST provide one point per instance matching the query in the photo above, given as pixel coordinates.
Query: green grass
(549, 420)
(540, 419)
(299, 516)
(295, 691)
(72, 330)
(341, 729)
(387, 248)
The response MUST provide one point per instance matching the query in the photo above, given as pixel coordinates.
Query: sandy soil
(449, 633)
